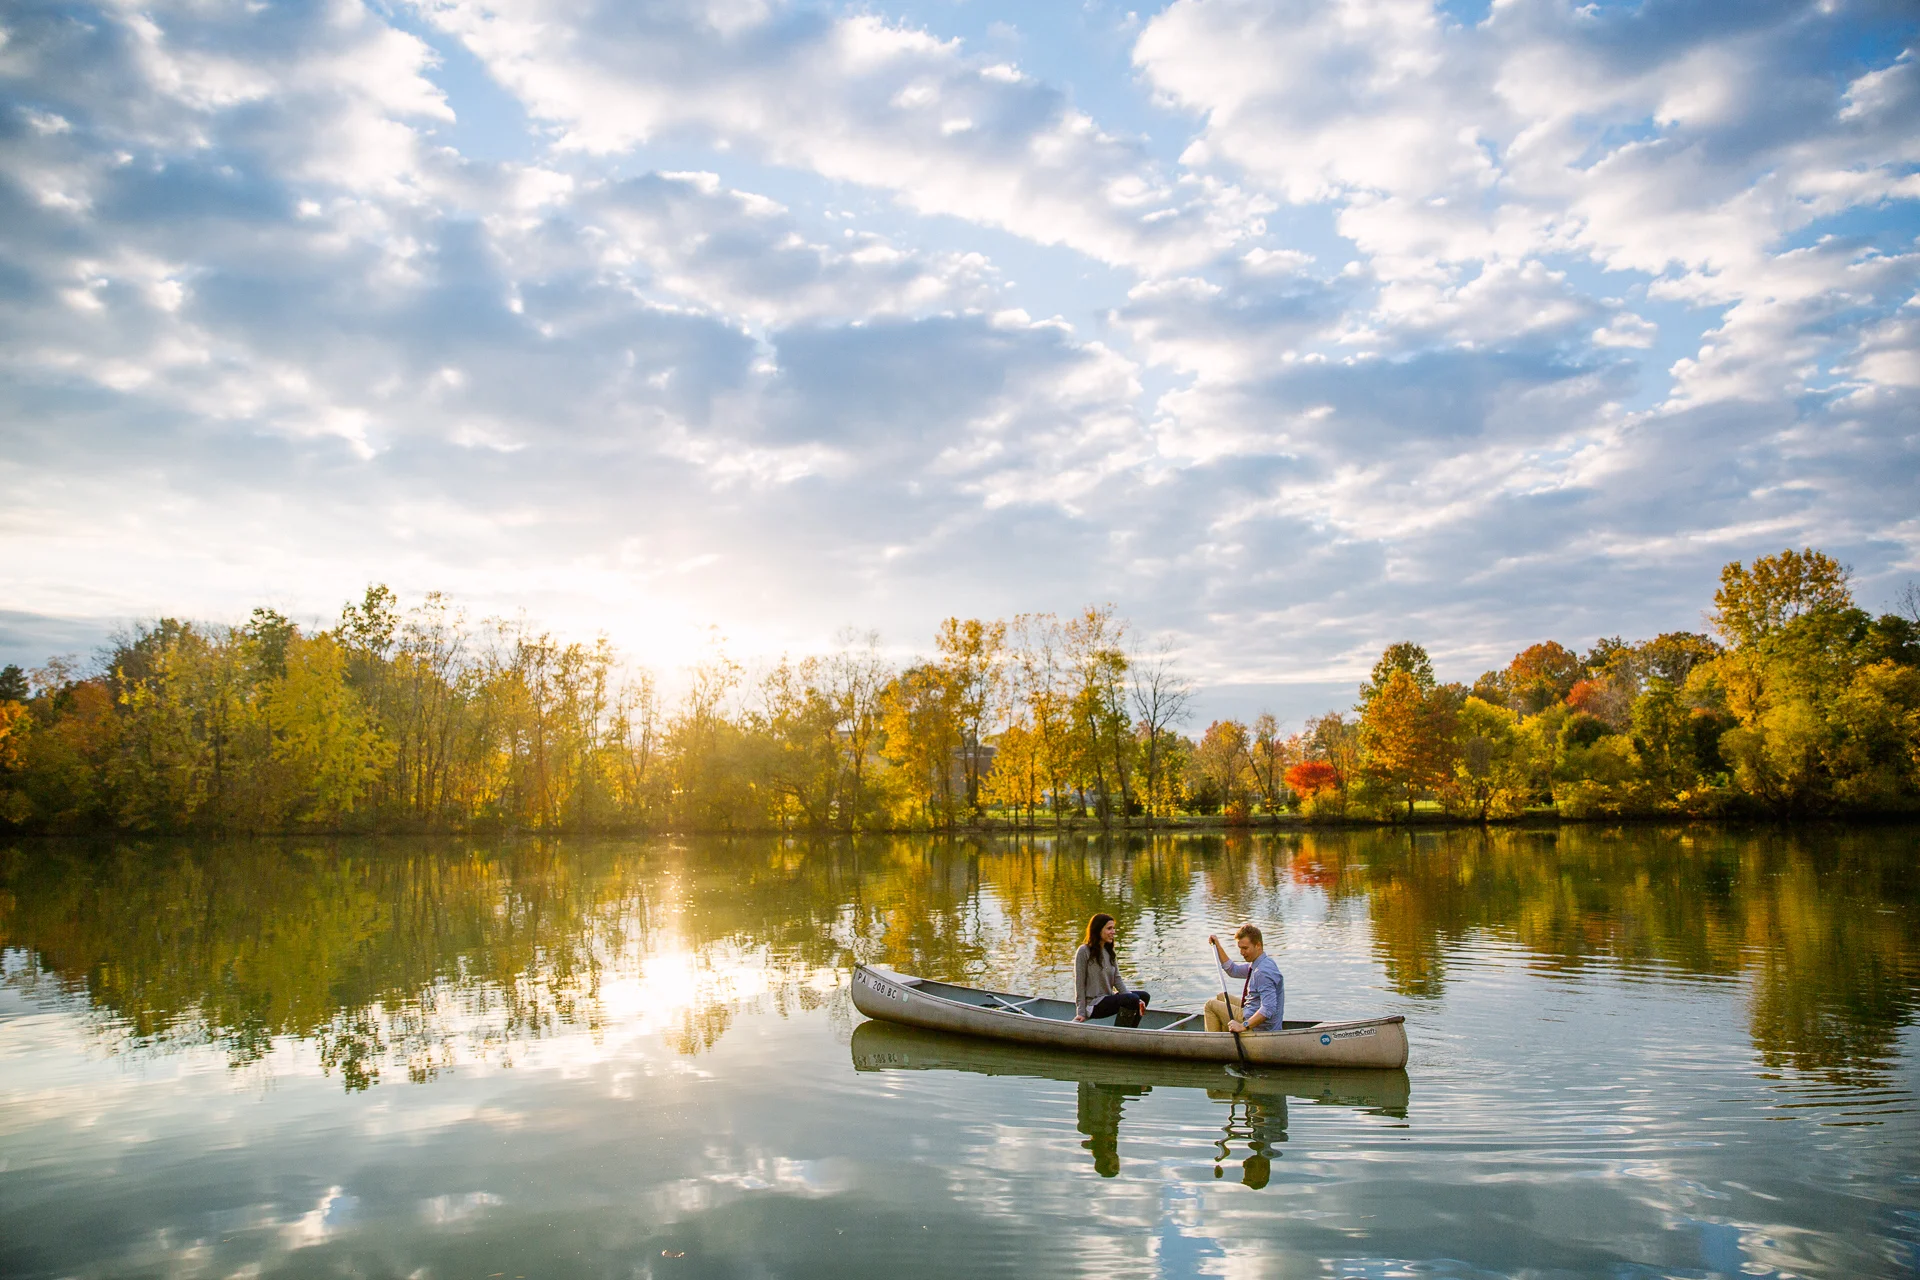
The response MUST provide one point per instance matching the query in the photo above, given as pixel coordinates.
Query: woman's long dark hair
(1094, 942)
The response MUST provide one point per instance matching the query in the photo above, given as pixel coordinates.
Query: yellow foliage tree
(1407, 738)
(322, 735)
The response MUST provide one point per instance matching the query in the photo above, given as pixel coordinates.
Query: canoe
(1035, 1020)
(889, 1046)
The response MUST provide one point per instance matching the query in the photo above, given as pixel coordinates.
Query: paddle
(1227, 1000)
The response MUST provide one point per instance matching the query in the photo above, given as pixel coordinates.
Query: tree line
(394, 718)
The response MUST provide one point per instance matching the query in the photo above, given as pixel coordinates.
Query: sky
(1292, 328)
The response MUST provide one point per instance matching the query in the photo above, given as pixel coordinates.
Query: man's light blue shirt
(1267, 993)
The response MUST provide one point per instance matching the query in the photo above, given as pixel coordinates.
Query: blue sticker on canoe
(1326, 1039)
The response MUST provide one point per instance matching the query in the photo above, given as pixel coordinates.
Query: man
(1262, 1000)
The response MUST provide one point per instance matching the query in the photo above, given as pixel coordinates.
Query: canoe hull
(1369, 1042)
(888, 1046)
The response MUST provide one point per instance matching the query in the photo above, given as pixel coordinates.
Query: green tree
(1493, 773)
(1402, 657)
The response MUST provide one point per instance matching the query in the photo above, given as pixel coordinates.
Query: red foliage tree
(1310, 777)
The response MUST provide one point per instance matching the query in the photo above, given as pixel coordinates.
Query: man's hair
(1252, 934)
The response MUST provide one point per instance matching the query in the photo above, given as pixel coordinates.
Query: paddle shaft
(1227, 1000)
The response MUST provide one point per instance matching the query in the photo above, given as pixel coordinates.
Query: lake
(1643, 1051)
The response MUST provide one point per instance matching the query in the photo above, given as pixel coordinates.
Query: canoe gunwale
(1359, 1042)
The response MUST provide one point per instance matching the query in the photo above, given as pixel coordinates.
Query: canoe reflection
(1256, 1099)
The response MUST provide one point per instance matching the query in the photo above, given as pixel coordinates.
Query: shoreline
(1084, 828)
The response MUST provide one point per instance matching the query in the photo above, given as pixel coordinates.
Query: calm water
(1634, 1053)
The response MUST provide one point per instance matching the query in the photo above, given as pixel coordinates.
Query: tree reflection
(1822, 925)
(411, 958)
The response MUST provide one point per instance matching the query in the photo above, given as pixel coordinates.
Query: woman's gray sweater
(1094, 975)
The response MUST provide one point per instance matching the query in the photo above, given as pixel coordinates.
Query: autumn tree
(1407, 736)
(800, 720)
(972, 659)
(1044, 691)
(1220, 769)
(1268, 757)
(1752, 604)
(329, 748)
(857, 675)
(65, 749)
(705, 753)
(1310, 778)
(1162, 699)
(1539, 676)
(1334, 739)
(1102, 730)
(1402, 657)
(1493, 774)
(923, 738)
(1018, 777)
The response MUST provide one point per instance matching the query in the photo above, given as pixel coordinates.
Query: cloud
(857, 99)
(486, 371)
(1473, 334)
(1504, 183)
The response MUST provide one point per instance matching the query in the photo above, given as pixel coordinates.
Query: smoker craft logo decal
(1328, 1037)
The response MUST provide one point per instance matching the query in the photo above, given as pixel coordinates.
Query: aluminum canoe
(1035, 1020)
(888, 1046)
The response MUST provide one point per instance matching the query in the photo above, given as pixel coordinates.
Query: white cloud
(858, 99)
(1473, 334)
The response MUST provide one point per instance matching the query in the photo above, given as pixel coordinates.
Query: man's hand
(1236, 1026)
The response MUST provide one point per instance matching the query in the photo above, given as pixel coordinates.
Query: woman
(1098, 989)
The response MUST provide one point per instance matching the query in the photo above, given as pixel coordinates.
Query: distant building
(982, 753)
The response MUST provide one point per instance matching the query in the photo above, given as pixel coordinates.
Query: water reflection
(406, 959)
(1254, 1101)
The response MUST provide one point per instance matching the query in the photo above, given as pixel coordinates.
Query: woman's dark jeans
(1127, 1006)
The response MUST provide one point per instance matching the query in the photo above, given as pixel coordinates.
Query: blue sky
(1292, 329)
